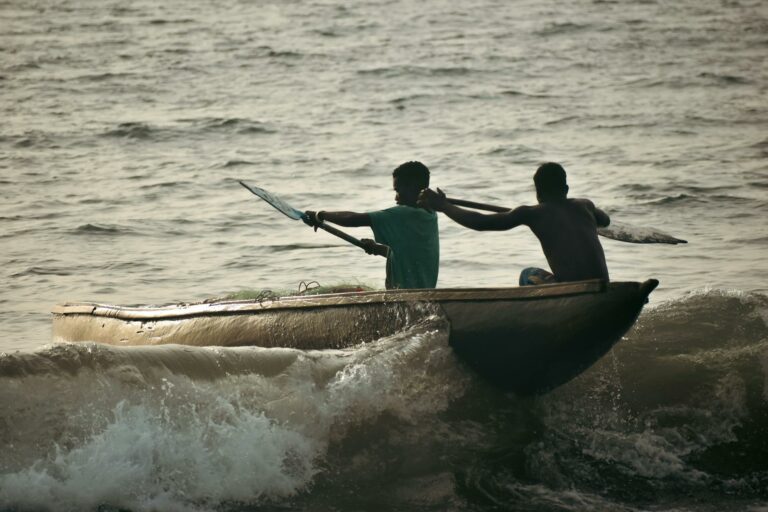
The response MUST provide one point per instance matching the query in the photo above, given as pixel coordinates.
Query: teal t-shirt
(412, 235)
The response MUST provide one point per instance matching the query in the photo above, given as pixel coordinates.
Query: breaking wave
(679, 407)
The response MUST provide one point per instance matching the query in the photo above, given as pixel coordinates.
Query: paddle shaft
(339, 233)
(349, 238)
(478, 206)
(617, 231)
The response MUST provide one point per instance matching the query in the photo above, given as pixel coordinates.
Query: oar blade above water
(295, 214)
(637, 235)
(275, 201)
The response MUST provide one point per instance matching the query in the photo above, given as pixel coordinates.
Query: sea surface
(126, 126)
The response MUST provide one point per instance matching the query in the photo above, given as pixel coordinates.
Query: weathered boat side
(525, 339)
(305, 322)
(311, 327)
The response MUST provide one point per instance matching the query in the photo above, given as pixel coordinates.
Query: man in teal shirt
(410, 232)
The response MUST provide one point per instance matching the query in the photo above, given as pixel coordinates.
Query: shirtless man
(409, 231)
(566, 228)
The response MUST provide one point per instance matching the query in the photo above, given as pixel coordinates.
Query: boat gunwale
(243, 307)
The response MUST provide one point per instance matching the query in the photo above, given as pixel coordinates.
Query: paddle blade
(637, 235)
(275, 201)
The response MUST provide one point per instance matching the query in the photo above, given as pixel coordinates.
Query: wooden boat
(524, 339)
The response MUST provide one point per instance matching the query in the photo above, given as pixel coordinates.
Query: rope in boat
(307, 286)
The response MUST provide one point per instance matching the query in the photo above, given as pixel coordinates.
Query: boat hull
(527, 339)
(551, 340)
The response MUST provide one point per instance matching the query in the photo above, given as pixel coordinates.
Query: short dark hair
(550, 181)
(412, 174)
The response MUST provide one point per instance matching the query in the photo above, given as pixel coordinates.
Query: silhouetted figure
(566, 228)
(410, 231)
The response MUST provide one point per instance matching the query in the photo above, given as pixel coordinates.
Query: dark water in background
(126, 126)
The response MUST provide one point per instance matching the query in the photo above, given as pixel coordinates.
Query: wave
(102, 77)
(411, 98)
(269, 51)
(679, 403)
(636, 187)
(188, 428)
(163, 21)
(618, 126)
(402, 71)
(684, 199)
(42, 271)
(516, 150)
(514, 92)
(237, 124)
(101, 229)
(132, 130)
(563, 120)
(677, 409)
(554, 29)
(680, 82)
(719, 121)
(758, 240)
(36, 139)
(163, 184)
(237, 163)
(205, 125)
(721, 79)
(28, 217)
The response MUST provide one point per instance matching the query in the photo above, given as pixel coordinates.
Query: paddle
(616, 231)
(295, 214)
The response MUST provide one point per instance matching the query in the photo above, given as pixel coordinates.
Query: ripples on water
(138, 127)
(127, 127)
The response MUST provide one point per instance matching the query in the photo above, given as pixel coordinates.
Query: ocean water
(127, 125)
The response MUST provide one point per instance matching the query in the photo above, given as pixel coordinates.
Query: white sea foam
(144, 459)
(179, 443)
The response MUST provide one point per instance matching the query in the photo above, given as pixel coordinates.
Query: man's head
(408, 180)
(550, 182)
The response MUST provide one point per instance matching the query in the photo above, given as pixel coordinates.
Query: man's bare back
(567, 231)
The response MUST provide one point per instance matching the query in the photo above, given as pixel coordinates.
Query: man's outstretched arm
(346, 219)
(470, 218)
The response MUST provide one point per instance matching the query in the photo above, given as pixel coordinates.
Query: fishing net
(304, 288)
